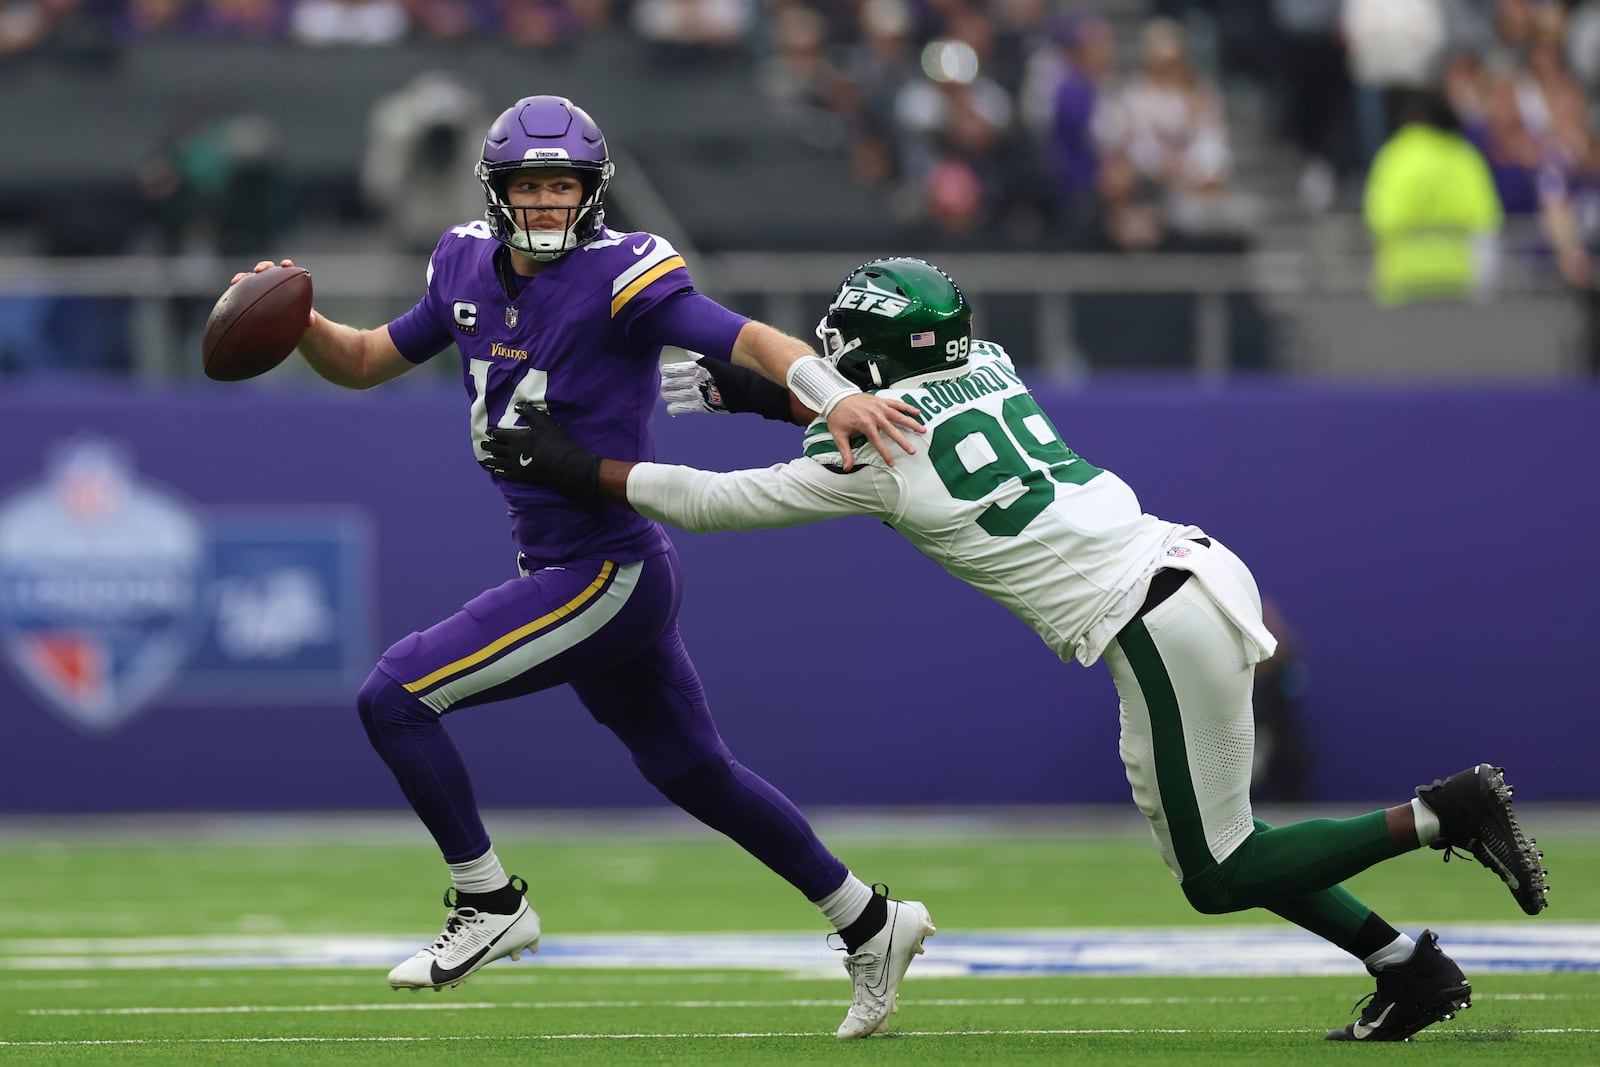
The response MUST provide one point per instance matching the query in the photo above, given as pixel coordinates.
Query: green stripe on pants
(1171, 752)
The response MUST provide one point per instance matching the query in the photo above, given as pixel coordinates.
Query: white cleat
(877, 967)
(471, 939)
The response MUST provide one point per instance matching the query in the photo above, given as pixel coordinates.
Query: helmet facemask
(584, 220)
(834, 346)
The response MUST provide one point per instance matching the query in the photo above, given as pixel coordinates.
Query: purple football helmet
(545, 131)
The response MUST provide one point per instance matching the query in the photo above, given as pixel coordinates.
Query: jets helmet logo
(869, 297)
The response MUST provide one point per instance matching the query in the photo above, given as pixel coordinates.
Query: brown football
(257, 323)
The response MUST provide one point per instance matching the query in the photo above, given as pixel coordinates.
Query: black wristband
(576, 473)
(743, 389)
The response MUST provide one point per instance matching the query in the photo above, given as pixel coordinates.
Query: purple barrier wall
(1427, 545)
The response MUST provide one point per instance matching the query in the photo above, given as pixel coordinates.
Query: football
(256, 323)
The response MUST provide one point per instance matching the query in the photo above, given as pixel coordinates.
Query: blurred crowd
(1516, 78)
(1014, 123)
(995, 123)
(982, 124)
(1029, 121)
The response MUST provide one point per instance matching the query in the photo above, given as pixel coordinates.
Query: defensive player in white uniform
(1001, 502)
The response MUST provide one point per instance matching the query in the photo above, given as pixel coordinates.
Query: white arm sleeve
(790, 494)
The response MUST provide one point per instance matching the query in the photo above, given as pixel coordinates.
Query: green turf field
(151, 943)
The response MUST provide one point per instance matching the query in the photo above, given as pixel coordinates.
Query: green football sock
(1278, 865)
(1334, 915)
(1305, 857)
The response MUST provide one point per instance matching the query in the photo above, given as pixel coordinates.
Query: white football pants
(1185, 677)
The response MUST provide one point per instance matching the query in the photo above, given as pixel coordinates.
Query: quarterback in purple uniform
(549, 308)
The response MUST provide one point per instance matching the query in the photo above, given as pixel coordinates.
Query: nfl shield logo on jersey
(100, 582)
(511, 317)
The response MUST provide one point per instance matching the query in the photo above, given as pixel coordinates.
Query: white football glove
(689, 389)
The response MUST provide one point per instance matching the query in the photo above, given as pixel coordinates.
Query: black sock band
(1375, 935)
(503, 901)
(866, 927)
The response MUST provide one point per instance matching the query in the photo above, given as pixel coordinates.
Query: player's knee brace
(386, 707)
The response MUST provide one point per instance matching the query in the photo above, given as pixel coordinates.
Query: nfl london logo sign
(114, 591)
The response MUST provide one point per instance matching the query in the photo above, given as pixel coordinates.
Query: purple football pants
(610, 631)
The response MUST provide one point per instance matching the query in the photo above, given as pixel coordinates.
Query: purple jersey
(563, 342)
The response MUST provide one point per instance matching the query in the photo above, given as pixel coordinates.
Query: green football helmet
(893, 319)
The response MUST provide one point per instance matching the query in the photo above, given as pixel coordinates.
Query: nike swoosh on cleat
(439, 976)
(1362, 1030)
(1507, 875)
(524, 460)
(888, 952)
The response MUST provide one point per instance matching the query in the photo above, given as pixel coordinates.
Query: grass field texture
(155, 942)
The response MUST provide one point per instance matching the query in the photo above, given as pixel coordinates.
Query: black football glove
(542, 454)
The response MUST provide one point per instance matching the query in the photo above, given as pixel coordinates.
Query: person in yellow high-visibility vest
(1431, 207)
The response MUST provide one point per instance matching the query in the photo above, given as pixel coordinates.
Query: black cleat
(1474, 809)
(1423, 990)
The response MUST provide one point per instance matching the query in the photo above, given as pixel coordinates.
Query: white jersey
(992, 494)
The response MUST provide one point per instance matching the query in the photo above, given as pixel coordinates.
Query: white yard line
(569, 1005)
(1090, 1032)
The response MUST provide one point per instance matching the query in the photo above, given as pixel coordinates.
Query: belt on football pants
(1167, 580)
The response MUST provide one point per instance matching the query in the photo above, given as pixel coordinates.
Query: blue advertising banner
(115, 592)
(194, 583)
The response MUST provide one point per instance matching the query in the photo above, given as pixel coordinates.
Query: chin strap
(506, 273)
(523, 241)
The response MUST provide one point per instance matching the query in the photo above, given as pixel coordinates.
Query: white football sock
(1427, 822)
(844, 905)
(482, 875)
(1397, 951)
